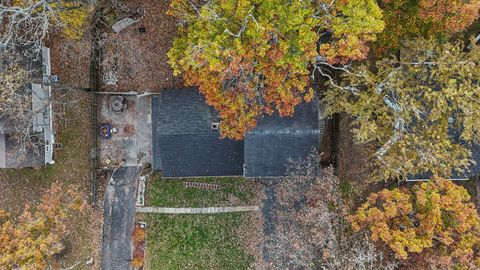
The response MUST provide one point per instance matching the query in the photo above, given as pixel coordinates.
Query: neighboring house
(187, 143)
(42, 125)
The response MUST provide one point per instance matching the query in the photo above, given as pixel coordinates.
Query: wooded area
(403, 74)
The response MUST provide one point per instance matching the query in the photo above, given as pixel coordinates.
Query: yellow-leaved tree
(435, 217)
(421, 110)
(26, 23)
(73, 17)
(32, 239)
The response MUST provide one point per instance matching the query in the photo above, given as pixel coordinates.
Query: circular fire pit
(117, 104)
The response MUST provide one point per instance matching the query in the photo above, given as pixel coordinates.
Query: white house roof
(45, 117)
(42, 123)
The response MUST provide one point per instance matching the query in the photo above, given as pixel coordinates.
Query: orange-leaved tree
(32, 239)
(450, 15)
(406, 19)
(250, 57)
(435, 216)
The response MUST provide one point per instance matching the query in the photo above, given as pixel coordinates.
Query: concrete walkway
(207, 210)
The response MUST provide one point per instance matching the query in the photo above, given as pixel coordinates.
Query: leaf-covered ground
(20, 187)
(355, 164)
(140, 60)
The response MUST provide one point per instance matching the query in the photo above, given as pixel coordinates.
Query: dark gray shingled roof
(184, 143)
(276, 140)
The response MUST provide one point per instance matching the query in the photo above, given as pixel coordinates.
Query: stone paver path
(206, 210)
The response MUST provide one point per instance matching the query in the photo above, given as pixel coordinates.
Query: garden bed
(139, 245)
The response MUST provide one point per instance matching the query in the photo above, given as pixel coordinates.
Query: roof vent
(215, 126)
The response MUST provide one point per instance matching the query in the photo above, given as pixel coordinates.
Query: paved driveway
(119, 213)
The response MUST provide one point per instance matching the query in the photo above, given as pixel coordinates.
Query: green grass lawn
(177, 242)
(195, 242)
(234, 191)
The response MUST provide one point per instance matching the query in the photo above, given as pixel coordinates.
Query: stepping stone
(122, 24)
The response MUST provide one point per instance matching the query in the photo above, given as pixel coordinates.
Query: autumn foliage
(354, 23)
(32, 239)
(251, 57)
(13, 103)
(435, 217)
(138, 239)
(73, 17)
(406, 19)
(450, 15)
(68, 16)
(421, 110)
